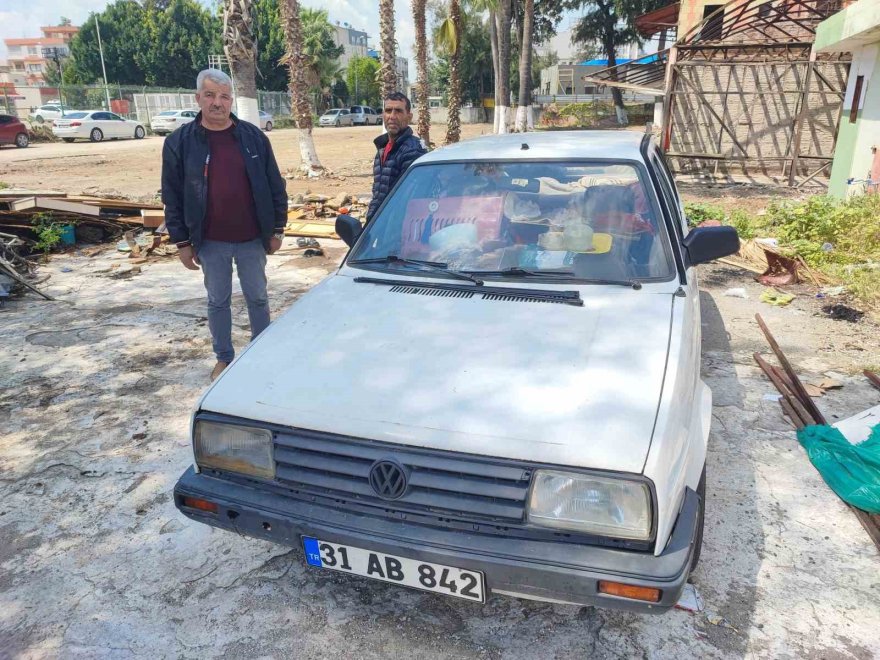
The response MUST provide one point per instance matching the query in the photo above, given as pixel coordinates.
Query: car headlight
(605, 506)
(241, 449)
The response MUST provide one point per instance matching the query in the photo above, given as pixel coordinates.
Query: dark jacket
(407, 147)
(185, 182)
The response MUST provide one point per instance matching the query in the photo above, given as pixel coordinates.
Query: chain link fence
(138, 103)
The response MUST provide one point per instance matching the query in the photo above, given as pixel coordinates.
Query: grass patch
(840, 239)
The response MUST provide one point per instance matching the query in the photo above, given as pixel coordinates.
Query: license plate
(446, 580)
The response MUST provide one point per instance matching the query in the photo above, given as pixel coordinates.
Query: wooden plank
(797, 386)
(313, 229)
(800, 414)
(874, 378)
(871, 523)
(54, 204)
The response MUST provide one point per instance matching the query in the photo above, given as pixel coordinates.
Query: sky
(23, 18)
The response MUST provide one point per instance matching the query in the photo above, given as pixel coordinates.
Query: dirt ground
(95, 561)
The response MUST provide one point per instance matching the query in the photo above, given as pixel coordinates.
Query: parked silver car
(265, 121)
(364, 115)
(336, 117)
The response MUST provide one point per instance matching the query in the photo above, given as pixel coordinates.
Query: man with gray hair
(225, 202)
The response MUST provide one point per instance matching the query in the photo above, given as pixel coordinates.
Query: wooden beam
(799, 122)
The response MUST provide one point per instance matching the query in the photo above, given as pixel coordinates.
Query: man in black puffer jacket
(396, 149)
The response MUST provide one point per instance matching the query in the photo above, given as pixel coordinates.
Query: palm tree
(297, 63)
(503, 22)
(447, 40)
(424, 120)
(492, 7)
(241, 51)
(524, 109)
(387, 46)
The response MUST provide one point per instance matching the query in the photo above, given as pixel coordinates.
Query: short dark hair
(399, 96)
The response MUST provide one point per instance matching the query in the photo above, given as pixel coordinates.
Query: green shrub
(48, 231)
(697, 212)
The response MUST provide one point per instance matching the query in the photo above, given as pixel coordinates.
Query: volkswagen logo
(388, 479)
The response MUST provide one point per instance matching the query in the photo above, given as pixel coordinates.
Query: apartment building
(26, 58)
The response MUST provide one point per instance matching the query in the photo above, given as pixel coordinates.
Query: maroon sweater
(230, 215)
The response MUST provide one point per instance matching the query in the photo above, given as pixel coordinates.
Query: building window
(857, 97)
(712, 30)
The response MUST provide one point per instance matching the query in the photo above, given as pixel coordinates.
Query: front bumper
(538, 570)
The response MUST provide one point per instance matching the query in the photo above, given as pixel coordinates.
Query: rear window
(167, 113)
(588, 221)
(75, 115)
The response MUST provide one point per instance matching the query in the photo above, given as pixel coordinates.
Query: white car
(49, 112)
(96, 125)
(364, 115)
(336, 117)
(168, 121)
(265, 121)
(502, 391)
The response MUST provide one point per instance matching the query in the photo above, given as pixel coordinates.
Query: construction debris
(314, 216)
(15, 270)
(799, 407)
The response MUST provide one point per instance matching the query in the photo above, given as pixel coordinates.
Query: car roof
(543, 145)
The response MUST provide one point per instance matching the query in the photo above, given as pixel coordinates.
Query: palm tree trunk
(524, 109)
(299, 89)
(504, 23)
(453, 121)
(388, 70)
(241, 51)
(424, 118)
(496, 78)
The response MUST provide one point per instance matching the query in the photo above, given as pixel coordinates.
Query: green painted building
(856, 30)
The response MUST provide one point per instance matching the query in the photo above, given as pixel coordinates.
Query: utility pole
(103, 68)
(54, 53)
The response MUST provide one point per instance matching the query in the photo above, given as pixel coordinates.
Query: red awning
(656, 21)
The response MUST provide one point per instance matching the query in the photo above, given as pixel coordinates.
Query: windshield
(331, 112)
(586, 221)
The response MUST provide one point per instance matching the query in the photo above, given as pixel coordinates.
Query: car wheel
(21, 140)
(139, 133)
(268, 126)
(337, 124)
(96, 135)
(701, 519)
(68, 140)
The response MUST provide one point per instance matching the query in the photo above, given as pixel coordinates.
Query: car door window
(670, 197)
(668, 181)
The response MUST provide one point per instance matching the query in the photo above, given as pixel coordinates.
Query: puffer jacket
(407, 147)
(185, 186)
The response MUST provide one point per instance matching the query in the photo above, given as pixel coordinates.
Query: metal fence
(139, 103)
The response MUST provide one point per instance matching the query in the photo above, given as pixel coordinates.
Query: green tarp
(852, 471)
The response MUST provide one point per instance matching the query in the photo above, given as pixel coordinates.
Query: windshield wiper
(516, 271)
(429, 265)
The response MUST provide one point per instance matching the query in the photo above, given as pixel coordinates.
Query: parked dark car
(12, 131)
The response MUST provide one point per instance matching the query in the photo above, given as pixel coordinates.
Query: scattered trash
(813, 391)
(718, 620)
(771, 397)
(768, 242)
(827, 247)
(777, 298)
(841, 312)
(66, 269)
(780, 270)
(829, 384)
(313, 252)
(690, 599)
(833, 290)
(736, 293)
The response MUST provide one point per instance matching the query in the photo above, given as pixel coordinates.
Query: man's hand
(274, 245)
(188, 257)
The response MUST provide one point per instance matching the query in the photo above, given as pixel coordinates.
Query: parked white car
(502, 391)
(49, 112)
(96, 125)
(168, 121)
(265, 121)
(364, 115)
(335, 117)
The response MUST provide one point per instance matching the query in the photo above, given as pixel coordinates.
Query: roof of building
(61, 28)
(658, 20)
(35, 41)
(576, 145)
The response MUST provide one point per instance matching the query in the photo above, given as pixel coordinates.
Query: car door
(6, 129)
(99, 120)
(346, 118)
(119, 126)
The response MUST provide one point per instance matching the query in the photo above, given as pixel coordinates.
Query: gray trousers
(216, 258)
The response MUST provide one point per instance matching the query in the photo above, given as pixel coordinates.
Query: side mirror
(348, 229)
(707, 243)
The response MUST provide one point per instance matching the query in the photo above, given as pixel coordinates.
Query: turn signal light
(198, 503)
(648, 594)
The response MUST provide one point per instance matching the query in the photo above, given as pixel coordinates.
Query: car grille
(445, 485)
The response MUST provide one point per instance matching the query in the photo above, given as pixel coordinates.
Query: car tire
(68, 140)
(139, 133)
(21, 140)
(268, 126)
(701, 519)
(337, 124)
(96, 135)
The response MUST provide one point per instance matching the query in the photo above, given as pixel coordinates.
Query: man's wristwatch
(279, 236)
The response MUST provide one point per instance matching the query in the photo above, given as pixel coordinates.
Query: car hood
(549, 383)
